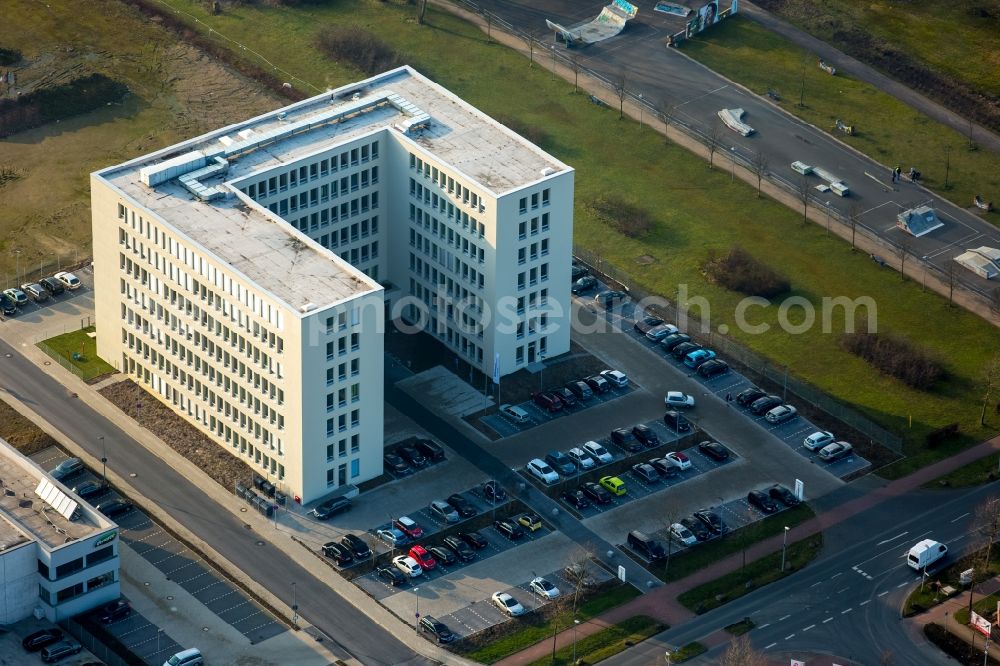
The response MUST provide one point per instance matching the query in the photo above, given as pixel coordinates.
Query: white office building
(58, 555)
(244, 277)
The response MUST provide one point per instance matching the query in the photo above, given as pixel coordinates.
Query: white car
(835, 451)
(543, 588)
(616, 377)
(678, 399)
(678, 460)
(543, 472)
(69, 280)
(683, 534)
(507, 604)
(515, 413)
(657, 333)
(601, 454)
(818, 440)
(780, 414)
(18, 296)
(582, 459)
(407, 565)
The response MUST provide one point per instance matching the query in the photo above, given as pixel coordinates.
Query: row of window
(341, 447)
(533, 251)
(447, 210)
(339, 423)
(467, 317)
(447, 184)
(533, 349)
(446, 234)
(545, 200)
(71, 567)
(324, 192)
(446, 260)
(443, 282)
(331, 214)
(341, 478)
(75, 590)
(534, 225)
(532, 276)
(279, 182)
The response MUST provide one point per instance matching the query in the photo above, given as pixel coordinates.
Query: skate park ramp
(610, 22)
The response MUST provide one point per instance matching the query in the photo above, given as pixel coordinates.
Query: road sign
(981, 624)
(621, 573)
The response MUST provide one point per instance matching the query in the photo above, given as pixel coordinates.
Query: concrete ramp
(609, 23)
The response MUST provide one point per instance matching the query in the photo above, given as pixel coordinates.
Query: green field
(78, 351)
(696, 209)
(605, 643)
(887, 130)
(984, 470)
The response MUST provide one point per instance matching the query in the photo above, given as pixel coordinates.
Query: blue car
(697, 357)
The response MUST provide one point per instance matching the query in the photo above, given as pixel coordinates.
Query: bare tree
(488, 16)
(714, 141)
(987, 522)
(952, 272)
(577, 573)
(621, 91)
(994, 297)
(990, 382)
(803, 192)
(531, 43)
(903, 251)
(665, 112)
(576, 65)
(421, 12)
(759, 165)
(741, 653)
(853, 219)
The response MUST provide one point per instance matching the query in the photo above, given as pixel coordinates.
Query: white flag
(496, 368)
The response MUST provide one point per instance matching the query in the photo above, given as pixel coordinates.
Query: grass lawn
(976, 473)
(887, 130)
(606, 642)
(533, 628)
(695, 209)
(693, 559)
(689, 651)
(741, 627)
(985, 606)
(760, 572)
(21, 433)
(86, 364)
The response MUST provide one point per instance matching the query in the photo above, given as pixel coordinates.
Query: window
(68, 593)
(355, 443)
(355, 468)
(329, 452)
(100, 581)
(545, 246)
(523, 205)
(545, 197)
(329, 477)
(68, 568)
(100, 555)
(520, 256)
(534, 201)
(43, 569)
(519, 356)
(329, 350)
(522, 230)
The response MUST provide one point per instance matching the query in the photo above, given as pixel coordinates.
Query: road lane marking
(768, 647)
(780, 619)
(885, 541)
(843, 590)
(846, 611)
(827, 620)
(808, 628)
(864, 602)
(836, 574)
(764, 626)
(901, 585)
(882, 594)
(960, 517)
(815, 584)
(789, 637)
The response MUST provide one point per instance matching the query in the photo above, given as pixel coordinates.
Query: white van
(191, 657)
(926, 553)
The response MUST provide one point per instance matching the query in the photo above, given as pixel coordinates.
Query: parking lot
(143, 638)
(505, 427)
(180, 565)
(32, 309)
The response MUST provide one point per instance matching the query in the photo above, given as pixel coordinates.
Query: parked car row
(679, 345)
(824, 444)
(409, 458)
(773, 499)
(37, 292)
(771, 407)
(559, 398)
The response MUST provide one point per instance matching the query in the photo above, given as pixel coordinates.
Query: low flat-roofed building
(983, 261)
(58, 555)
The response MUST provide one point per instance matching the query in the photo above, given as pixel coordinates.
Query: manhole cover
(146, 583)
(133, 475)
(170, 598)
(260, 543)
(243, 510)
(10, 355)
(47, 363)
(204, 628)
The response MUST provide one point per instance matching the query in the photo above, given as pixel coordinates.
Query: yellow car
(614, 484)
(530, 521)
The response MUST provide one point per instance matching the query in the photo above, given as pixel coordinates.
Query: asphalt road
(847, 602)
(695, 94)
(349, 629)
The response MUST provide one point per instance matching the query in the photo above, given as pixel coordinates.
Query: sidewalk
(944, 615)
(661, 604)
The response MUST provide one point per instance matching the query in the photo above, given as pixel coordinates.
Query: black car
(474, 539)
(646, 323)
(338, 553)
(676, 421)
(115, 507)
(494, 492)
(576, 499)
(560, 462)
(664, 467)
(430, 625)
(595, 493)
(684, 348)
(783, 495)
(112, 612)
(598, 384)
(564, 394)
(760, 500)
(357, 546)
(714, 450)
(576, 271)
(624, 438)
(673, 340)
(442, 555)
(8, 305)
(460, 548)
(700, 532)
(391, 575)
(67, 469)
(331, 508)
(646, 472)
(88, 490)
(509, 529)
(711, 520)
(396, 465)
(52, 285)
(412, 456)
(746, 397)
(584, 284)
(610, 299)
(646, 435)
(462, 505)
(580, 389)
(712, 367)
(765, 404)
(36, 641)
(430, 449)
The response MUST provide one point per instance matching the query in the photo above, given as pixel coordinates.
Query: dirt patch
(178, 434)
(645, 260)
(21, 433)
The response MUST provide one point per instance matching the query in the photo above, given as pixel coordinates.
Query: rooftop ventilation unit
(548, 171)
(308, 307)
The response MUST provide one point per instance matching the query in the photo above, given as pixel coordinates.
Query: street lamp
(576, 623)
(416, 597)
(295, 607)
(732, 155)
(541, 373)
(104, 460)
(667, 655)
(784, 544)
(17, 254)
(640, 110)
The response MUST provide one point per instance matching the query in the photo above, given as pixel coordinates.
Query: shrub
(9, 56)
(895, 356)
(360, 47)
(58, 102)
(624, 217)
(739, 271)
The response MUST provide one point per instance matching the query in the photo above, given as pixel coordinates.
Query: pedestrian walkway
(944, 615)
(661, 604)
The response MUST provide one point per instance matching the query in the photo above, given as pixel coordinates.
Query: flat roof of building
(30, 515)
(191, 185)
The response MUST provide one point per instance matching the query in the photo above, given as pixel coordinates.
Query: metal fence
(743, 357)
(29, 271)
(92, 644)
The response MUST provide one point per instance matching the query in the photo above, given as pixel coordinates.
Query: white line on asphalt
(902, 584)
(815, 584)
(809, 627)
(836, 574)
(960, 517)
(764, 626)
(780, 619)
(885, 541)
(882, 594)
(789, 637)
(827, 620)
(768, 647)
(864, 602)
(846, 611)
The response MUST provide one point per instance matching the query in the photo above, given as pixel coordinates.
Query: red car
(409, 527)
(423, 558)
(548, 401)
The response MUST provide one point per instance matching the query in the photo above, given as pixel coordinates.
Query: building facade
(56, 565)
(244, 277)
